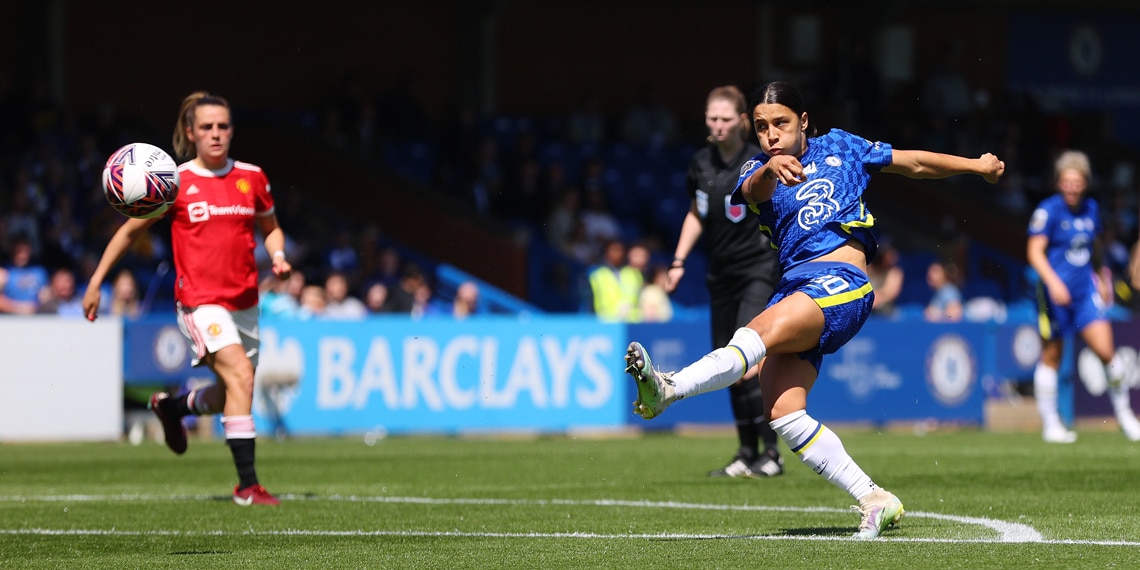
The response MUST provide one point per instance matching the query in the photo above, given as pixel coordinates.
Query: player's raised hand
(786, 168)
(992, 168)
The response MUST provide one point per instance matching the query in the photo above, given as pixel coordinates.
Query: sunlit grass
(567, 502)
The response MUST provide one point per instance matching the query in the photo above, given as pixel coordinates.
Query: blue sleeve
(745, 171)
(879, 154)
(1039, 221)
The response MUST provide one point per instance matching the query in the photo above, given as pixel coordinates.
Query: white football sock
(820, 449)
(721, 367)
(1118, 393)
(1045, 392)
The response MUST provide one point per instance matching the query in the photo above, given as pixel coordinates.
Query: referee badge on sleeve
(734, 212)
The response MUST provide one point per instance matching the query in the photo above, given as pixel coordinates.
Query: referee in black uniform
(742, 267)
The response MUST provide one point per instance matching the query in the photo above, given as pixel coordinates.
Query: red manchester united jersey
(212, 225)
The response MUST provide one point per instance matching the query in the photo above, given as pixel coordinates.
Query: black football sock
(744, 413)
(242, 450)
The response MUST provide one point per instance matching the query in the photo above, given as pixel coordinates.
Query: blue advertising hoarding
(431, 375)
(552, 374)
(1090, 398)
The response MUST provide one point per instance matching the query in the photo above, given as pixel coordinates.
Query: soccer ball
(140, 180)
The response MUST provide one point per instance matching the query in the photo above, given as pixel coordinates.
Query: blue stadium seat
(617, 154)
(491, 298)
(646, 185)
(982, 287)
(414, 159)
(676, 185)
(915, 289)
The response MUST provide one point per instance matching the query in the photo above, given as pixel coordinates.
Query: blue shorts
(841, 290)
(1055, 321)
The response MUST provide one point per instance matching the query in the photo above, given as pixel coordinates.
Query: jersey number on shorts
(832, 284)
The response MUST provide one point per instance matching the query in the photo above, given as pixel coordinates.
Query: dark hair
(782, 93)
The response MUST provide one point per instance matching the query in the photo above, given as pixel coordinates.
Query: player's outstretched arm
(761, 184)
(926, 164)
(116, 248)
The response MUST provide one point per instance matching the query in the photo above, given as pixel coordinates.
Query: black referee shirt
(738, 251)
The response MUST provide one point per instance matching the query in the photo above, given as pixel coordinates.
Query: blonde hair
(735, 96)
(1073, 160)
(183, 148)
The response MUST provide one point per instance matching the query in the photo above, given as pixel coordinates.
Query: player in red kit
(220, 203)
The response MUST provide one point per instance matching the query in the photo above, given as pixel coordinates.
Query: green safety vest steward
(616, 293)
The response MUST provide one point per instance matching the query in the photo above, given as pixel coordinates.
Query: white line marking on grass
(459, 534)
(1007, 531)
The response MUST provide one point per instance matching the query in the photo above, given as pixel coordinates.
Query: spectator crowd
(581, 182)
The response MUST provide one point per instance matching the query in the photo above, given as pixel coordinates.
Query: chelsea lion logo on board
(1026, 346)
(170, 349)
(950, 369)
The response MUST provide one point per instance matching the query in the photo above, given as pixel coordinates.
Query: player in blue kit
(1063, 248)
(742, 267)
(808, 192)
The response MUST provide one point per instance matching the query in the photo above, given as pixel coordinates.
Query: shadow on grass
(814, 531)
(818, 531)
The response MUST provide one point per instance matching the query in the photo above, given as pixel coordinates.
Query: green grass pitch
(973, 500)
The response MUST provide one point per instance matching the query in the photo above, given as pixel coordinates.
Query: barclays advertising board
(430, 375)
(552, 374)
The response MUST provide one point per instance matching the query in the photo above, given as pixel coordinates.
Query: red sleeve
(264, 198)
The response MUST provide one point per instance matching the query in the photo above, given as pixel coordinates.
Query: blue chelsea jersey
(820, 214)
(1071, 233)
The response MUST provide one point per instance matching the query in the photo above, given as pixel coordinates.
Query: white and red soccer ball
(140, 180)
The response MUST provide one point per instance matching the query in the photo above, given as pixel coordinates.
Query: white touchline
(1007, 531)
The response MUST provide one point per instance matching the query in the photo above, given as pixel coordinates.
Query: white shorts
(210, 328)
